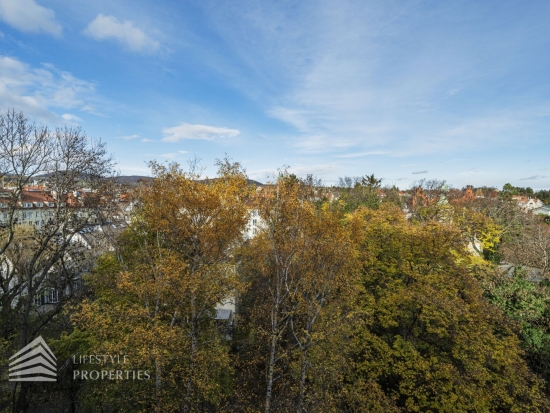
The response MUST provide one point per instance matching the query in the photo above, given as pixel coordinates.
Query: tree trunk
(270, 373)
(303, 376)
(158, 384)
(194, 346)
(22, 403)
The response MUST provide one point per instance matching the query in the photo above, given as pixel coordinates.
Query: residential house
(527, 203)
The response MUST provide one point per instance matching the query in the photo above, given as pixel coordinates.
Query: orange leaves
(178, 258)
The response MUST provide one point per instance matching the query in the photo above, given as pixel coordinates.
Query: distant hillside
(251, 182)
(124, 179)
(133, 179)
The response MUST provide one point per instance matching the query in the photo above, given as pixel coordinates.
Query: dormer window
(27, 204)
(50, 204)
(39, 204)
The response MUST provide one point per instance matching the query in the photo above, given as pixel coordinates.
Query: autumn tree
(529, 246)
(176, 264)
(296, 266)
(429, 201)
(432, 342)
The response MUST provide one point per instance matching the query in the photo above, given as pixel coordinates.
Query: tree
(177, 263)
(37, 259)
(433, 343)
(296, 267)
(360, 191)
(527, 302)
(371, 182)
(529, 246)
(543, 195)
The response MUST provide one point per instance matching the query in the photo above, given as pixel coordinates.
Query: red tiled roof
(32, 196)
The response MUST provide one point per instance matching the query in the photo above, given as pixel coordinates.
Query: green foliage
(528, 303)
(433, 343)
(544, 196)
(360, 191)
(510, 190)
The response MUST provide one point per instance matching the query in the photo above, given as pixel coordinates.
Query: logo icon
(34, 362)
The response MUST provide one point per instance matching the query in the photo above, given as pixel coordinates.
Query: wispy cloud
(419, 172)
(71, 118)
(145, 140)
(533, 178)
(298, 118)
(350, 75)
(186, 131)
(37, 91)
(126, 33)
(28, 16)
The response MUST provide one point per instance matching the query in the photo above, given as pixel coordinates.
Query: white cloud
(27, 16)
(350, 76)
(145, 140)
(187, 131)
(126, 33)
(38, 90)
(71, 118)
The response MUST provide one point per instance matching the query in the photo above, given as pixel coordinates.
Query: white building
(528, 203)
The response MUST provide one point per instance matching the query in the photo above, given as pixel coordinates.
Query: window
(47, 296)
(53, 296)
(39, 204)
(50, 204)
(253, 222)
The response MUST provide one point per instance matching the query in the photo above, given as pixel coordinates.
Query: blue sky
(406, 90)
